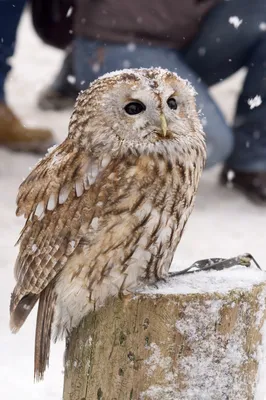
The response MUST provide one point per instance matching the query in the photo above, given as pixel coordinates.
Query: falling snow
(126, 63)
(96, 67)
(202, 51)
(69, 12)
(230, 175)
(262, 26)
(238, 223)
(235, 21)
(71, 79)
(131, 47)
(255, 102)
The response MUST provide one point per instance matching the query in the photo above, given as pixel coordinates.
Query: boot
(56, 100)
(252, 184)
(17, 137)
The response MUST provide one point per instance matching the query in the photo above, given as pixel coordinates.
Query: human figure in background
(13, 134)
(195, 39)
(62, 91)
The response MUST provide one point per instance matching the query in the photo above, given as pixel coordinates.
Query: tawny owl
(106, 209)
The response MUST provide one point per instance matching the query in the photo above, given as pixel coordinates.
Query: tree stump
(195, 337)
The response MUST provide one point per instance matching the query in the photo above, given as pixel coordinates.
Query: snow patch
(157, 360)
(238, 277)
(261, 358)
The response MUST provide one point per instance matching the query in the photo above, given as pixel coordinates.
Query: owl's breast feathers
(95, 228)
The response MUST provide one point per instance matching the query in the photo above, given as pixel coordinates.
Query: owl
(106, 209)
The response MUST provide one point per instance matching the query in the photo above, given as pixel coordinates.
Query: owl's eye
(135, 107)
(172, 103)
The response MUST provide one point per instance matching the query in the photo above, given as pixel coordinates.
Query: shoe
(52, 99)
(15, 136)
(252, 184)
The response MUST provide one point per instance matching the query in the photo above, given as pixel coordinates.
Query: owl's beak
(163, 124)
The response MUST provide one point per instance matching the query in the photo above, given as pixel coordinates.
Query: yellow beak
(163, 124)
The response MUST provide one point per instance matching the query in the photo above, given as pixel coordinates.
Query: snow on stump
(194, 337)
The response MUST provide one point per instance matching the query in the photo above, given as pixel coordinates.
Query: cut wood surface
(194, 337)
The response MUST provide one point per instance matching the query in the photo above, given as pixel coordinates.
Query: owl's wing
(51, 198)
(63, 170)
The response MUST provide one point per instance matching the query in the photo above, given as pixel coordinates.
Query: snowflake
(49, 151)
(204, 121)
(202, 51)
(255, 102)
(230, 175)
(262, 26)
(69, 12)
(71, 79)
(126, 64)
(235, 21)
(131, 47)
(96, 67)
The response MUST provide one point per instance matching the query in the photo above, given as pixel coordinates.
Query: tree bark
(171, 346)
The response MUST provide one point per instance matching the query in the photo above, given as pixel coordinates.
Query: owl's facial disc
(154, 120)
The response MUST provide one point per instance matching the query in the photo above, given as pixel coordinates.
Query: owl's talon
(217, 264)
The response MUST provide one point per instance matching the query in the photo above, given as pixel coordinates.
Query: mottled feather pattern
(106, 209)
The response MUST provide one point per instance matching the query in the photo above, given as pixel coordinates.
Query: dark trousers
(10, 13)
(216, 53)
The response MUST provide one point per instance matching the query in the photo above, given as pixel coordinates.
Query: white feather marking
(144, 210)
(86, 182)
(34, 248)
(39, 212)
(52, 202)
(94, 171)
(79, 188)
(91, 179)
(141, 255)
(94, 223)
(105, 161)
(63, 194)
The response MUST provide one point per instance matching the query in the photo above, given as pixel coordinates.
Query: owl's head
(141, 110)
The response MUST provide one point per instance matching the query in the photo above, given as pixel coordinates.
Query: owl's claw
(217, 264)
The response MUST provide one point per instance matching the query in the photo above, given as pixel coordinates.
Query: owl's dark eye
(135, 107)
(172, 103)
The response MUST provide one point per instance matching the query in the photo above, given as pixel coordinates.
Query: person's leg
(62, 92)
(10, 13)
(13, 134)
(218, 51)
(94, 59)
(250, 123)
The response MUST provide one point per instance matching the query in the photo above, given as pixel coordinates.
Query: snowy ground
(223, 223)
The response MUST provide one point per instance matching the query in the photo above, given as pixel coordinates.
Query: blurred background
(38, 93)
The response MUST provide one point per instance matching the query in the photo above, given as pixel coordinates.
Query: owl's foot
(217, 264)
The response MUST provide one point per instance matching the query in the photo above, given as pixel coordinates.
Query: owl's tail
(43, 330)
(20, 309)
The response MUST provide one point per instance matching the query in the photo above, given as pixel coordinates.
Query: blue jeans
(217, 52)
(10, 13)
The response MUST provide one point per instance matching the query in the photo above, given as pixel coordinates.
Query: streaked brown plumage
(106, 209)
